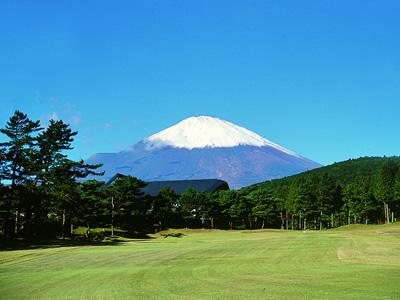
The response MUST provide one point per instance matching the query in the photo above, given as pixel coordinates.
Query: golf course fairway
(355, 262)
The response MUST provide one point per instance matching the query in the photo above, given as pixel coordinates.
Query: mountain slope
(205, 147)
(343, 173)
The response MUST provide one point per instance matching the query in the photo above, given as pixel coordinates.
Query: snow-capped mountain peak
(203, 148)
(208, 132)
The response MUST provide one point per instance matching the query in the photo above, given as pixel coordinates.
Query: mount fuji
(203, 148)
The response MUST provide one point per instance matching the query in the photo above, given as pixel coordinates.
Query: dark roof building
(180, 186)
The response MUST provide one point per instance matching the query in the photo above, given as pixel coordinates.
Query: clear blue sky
(321, 78)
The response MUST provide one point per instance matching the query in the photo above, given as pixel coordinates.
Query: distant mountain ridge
(203, 148)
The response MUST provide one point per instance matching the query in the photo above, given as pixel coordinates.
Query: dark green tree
(384, 186)
(163, 206)
(326, 193)
(52, 144)
(93, 204)
(127, 200)
(264, 206)
(63, 187)
(229, 203)
(18, 154)
(200, 207)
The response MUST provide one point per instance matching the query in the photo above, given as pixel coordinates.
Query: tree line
(43, 193)
(358, 191)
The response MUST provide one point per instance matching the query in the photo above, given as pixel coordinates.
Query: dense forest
(43, 193)
(364, 190)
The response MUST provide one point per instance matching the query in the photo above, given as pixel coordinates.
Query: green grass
(356, 262)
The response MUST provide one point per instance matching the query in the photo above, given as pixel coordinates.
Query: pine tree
(163, 206)
(128, 200)
(325, 197)
(52, 143)
(64, 188)
(264, 206)
(228, 202)
(384, 186)
(18, 167)
(93, 203)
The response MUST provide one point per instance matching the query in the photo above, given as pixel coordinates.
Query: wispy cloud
(107, 125)
(75, 119)
(53, 116)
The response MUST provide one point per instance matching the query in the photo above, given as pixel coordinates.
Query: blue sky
(321, 78)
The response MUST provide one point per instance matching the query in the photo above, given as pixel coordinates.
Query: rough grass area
(356, 262)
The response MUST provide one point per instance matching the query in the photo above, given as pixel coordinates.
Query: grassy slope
(354, 263)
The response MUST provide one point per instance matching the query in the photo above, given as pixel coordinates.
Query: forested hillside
(355, 191)
(343, 172)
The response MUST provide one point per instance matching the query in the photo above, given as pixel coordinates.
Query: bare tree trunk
(87, 229)
(332, 221)
(392, 217)
(300, 223)
(72, 228)
(287, 221)
(386, 208)
(305, 223)
(231, 225)
(112, 216)
(16, 222)
(263, 223)
(212, 223)
(282, 222)
(320, 221)
(63, 224)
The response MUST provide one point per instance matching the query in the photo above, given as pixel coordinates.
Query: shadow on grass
(76, 241)
(175, 235)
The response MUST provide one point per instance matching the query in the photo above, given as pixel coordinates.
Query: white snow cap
(208, 132)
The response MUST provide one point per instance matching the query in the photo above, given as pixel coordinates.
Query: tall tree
(228, 202)
(197, 205)
(18, 152)
(64, 187)
(93, 204)
(52, 144)
(264, 205)
(326, 193)
(384, 186)
(163, 206)
(128, 199)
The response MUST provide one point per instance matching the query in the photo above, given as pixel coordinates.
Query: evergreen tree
(128, 200)
(196, 205)
(163, 206)
(17, 163)
(264, 205)
(52, 143)
(93, 204)
(384, 186)
(229, 207)
(396, 195)
(326, 193)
